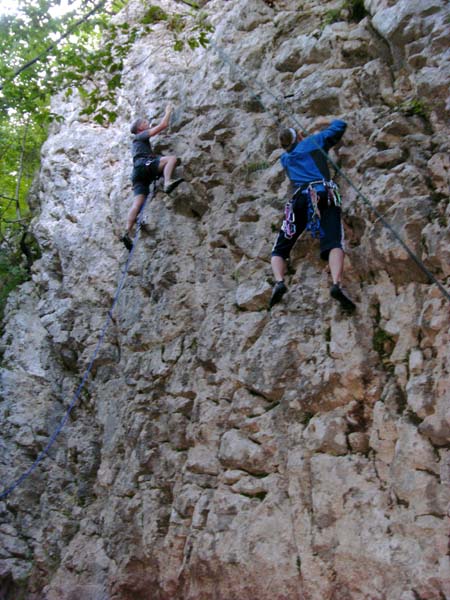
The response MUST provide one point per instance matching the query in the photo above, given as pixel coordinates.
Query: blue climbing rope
(63, 421)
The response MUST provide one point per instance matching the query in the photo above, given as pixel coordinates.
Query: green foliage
(12, 274)
(383, 343)
(19, 149)
(195, 35)
(443, 221)
(350, 10)
(415, 106)
(153, 15)
(306, 417)
(356, 10)
(83, 51)
(20, 142)
(257, 166)
(332, 16)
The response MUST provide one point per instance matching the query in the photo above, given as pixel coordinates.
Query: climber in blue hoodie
(315, 206)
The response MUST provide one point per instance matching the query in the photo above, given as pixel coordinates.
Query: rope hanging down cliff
(109, 318)
(252, 82)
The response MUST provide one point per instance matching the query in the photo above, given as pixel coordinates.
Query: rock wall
(219, 450)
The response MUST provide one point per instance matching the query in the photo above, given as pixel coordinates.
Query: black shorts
(331, 235)
(143, 175)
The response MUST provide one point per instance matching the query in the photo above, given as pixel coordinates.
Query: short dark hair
(135, 125)
(286, 137)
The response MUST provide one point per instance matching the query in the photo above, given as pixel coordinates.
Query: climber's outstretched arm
(164, 123)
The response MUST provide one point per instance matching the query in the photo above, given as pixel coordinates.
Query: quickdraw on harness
(313, 222)
(313, 219)
(288, 227)
(333, 193)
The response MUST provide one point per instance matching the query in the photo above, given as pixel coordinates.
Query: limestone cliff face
(219, 450)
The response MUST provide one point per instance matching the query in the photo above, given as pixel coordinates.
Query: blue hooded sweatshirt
(305, 162)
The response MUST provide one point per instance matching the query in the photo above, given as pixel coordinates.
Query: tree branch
(44, 53)
(20, 174)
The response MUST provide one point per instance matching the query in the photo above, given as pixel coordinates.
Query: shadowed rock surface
(218, 450)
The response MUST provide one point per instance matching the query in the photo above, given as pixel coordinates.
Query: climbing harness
(148, 163)
(333, 197)
(331, 188)
(88, 370)
(313, 211)
(140, 162)
(252, 82)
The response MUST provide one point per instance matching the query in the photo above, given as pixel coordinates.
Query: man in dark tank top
(147, 167)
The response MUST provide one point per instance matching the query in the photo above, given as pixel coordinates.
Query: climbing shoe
(127, 241)
(173, 183)
(339, 295)
(279, 289)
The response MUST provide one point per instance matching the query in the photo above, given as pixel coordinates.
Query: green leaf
(154, 14)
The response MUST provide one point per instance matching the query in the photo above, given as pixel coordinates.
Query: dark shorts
(143, 174)
(331, 236)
